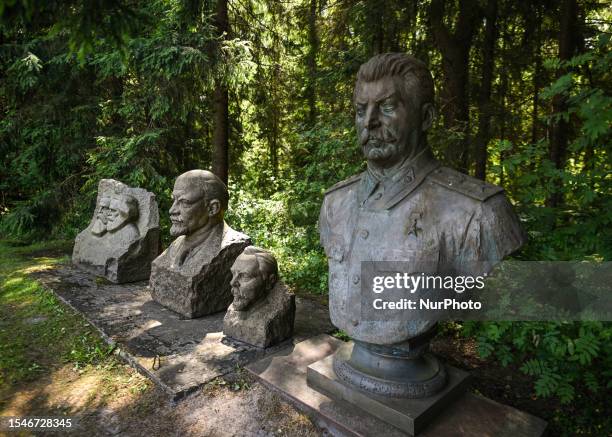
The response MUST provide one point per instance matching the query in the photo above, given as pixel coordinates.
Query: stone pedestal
(201, 284)
(405, 370)
(469, 415)
(409, 415)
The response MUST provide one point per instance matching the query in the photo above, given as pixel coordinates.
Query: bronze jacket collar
(398, 185)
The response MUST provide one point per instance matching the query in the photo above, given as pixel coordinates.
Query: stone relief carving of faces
(190, 210)
(101, 217)
(252, 279)
(123, 209)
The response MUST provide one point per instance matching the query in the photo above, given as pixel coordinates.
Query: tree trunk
(568, 38)
(311, 63)
(503, 90)
(484, 101)
(220, 158)
(220, 140)
(455, 50)
(537, 70)
(375, 12)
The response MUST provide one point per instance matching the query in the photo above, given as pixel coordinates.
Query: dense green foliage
(570, 361)
(124, 89)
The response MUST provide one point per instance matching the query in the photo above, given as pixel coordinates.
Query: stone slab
(410, 415)
(469, 415)
(178, 354)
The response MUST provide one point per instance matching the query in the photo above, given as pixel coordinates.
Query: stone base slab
(178, 354)
(409, 415)
(469, 415)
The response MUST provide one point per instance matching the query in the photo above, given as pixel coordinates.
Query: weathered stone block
(201, 285)
(122, 238)
(269, 322)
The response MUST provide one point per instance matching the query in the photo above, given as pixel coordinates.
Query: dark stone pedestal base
(419, 375)
(470, 415)
(409, 415)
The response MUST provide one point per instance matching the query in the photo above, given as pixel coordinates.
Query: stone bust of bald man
(263, 310)
(192, 276)
(404, 207)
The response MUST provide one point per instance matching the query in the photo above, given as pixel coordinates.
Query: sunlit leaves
(560, 86)
(596, 111)
(25, 71)
(237, 66)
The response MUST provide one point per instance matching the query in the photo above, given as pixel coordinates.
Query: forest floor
(53, 363)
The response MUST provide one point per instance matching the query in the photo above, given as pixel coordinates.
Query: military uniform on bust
(426, 214)
(405, 208)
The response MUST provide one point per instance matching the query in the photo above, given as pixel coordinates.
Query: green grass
(37, 332)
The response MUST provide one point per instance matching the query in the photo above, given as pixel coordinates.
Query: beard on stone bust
(98, 228)
(116, 223)
(177, 228)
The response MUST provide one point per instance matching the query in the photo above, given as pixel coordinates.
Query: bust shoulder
(232, 236)
(344, 184)
(468, 186)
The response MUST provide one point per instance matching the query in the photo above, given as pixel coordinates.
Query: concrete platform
(469, 415)
(178, 354)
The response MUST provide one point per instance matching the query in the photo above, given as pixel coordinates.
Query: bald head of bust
(199, 198)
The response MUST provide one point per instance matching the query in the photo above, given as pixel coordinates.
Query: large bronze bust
(404, 207)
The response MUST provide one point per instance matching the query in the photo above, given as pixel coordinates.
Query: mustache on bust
(377, 143)
(378, 140)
